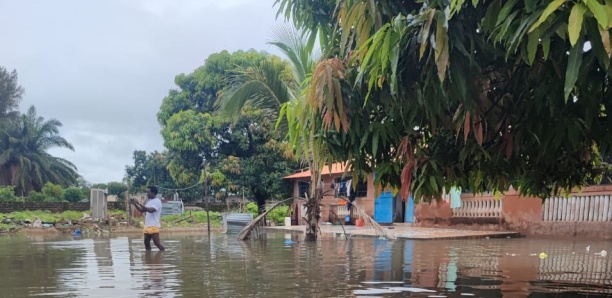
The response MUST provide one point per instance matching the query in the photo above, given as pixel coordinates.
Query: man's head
(151, 191)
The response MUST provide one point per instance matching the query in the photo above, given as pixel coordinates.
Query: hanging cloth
(455, 197)
(348, 187)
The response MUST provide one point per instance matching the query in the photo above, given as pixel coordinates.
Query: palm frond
(298, 49)
(262, 85)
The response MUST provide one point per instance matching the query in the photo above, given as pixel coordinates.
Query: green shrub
(73, 194)
(35, 196)
(86, 193)
(52, 192)
(7, 194)
(252, 208)
(278, 214)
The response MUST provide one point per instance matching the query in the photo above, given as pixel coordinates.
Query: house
(587, 212)
(383, 207)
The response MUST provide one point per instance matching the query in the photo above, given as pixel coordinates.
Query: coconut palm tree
(267, 85)
(10, 95)
(263, 87)
(24, 160)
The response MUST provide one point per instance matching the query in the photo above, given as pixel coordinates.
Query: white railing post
(479, 207)
(594, 208)
(545, 211)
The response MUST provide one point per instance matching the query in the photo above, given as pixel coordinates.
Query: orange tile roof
(336, 168)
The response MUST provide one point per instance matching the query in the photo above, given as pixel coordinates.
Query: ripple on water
(222, 266)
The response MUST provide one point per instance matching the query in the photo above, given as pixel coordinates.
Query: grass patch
(197, 218)
(118, 213)
(7, 227)
(71, 215)
(44, 215)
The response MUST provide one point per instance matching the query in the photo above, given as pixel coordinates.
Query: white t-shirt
(153, 219)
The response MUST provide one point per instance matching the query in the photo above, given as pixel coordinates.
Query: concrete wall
(521, 214)
(433, 214)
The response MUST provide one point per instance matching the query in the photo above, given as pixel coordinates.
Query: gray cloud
(103, 67)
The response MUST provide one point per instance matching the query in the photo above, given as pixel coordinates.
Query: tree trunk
(313, 209)
(312, 218)
(260, 199)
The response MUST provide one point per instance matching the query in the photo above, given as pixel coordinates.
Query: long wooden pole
(206, 194)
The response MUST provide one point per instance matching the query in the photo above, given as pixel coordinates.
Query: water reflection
(222, 266)
(154, 282)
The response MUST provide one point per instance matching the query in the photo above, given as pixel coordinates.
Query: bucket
(288, 221)
(347, 219)
(359, 222)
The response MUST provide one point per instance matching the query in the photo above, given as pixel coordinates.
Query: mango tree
(485, 95)
(243, 153)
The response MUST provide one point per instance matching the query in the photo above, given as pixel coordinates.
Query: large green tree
(24, 160)
(190, 131)
(194, 131)
(485, 95)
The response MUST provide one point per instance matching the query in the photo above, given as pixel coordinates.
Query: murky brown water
(221, 266)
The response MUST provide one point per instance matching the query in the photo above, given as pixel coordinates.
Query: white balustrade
(342, 211)
(595, 208)
(479, 207)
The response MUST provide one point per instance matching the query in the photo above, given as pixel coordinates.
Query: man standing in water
(152, 210)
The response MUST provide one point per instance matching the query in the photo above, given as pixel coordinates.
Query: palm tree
(265, 85)
(24, 160)
(10, 95)
(262, 87)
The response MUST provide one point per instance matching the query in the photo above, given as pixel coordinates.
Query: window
(303, 189)
(340, 188)
(362, 189)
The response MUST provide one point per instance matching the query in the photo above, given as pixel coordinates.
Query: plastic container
(359, 222)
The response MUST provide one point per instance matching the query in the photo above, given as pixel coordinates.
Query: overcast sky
(103, 67)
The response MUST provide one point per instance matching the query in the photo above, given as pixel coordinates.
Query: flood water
(222, 266)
